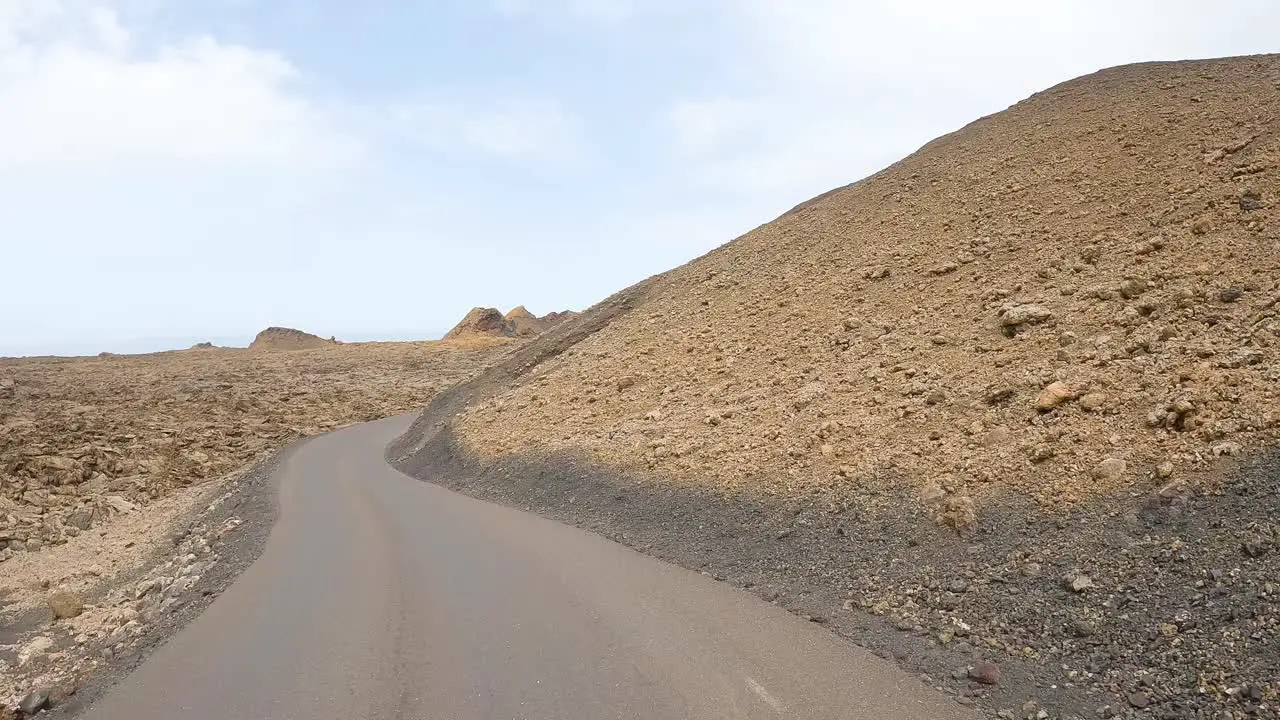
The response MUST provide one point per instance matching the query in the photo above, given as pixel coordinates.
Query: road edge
(253, 499)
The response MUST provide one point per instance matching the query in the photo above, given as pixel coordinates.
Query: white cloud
(509, 129)
(81, 92)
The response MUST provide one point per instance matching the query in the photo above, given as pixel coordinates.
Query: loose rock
(1110, 469)
(33, 702)
(986, 673)
(66, 604)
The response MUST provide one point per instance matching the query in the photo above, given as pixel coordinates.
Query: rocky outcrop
(481, 321)
(281, 338)
(519, 322)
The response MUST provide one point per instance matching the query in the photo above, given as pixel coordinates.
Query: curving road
(382, 597)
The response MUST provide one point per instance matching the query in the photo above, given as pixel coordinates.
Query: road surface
(382, 597)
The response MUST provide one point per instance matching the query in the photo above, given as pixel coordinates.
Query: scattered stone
(1093, 401)
(65, 604)
(81, 519)
(1013, 318)
(999, 394)
(1042, 452)
(33, 702)
(143, 587)
(1139, 700)
(1110, 469)
(1227, 448)
(1176, 491)
(1250, 199)
(1230, 294)
(1255, 547)
(1077, 582)
(1164, 470)
(1053, 395)
(1132, 288)
(34, 649)
(986, 673)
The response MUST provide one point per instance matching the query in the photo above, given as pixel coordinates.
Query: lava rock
(986, 673)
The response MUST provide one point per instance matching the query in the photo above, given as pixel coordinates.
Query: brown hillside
(280, 338)
(1070, 297)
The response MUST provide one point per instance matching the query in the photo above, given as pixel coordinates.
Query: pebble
(1093, 401)
(1082, 628)
(1255, 547)
(1139, 700)
(1077, 582)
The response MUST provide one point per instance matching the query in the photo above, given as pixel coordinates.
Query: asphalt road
(382, 597)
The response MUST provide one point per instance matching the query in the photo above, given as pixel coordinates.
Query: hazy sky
(176, 170)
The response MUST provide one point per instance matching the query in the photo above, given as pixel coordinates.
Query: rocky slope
(1074, 295)
(1041, 335)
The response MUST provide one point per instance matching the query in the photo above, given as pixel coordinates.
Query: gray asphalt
(379, 596)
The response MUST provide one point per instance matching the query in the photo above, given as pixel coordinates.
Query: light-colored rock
(34, 649)
(1093, 401)
(1053, 395)
(1110, 469)
(65, 604)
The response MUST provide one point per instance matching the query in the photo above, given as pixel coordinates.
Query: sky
(174, 171)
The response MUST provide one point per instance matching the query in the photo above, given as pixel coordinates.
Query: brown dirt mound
(1076, 295)
(281, 338)
(482, 321)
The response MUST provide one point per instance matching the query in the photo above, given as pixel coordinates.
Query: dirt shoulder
(141, 579)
